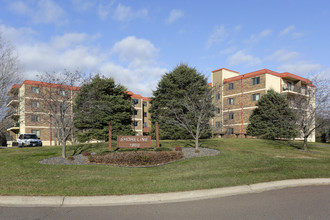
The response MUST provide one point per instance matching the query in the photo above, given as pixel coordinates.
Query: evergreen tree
(99, 102)
(273, 118)
(182, 104)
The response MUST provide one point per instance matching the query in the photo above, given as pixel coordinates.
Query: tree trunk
(64, 150)
(305, 143)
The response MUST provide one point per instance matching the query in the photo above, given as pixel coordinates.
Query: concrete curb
(76, 201)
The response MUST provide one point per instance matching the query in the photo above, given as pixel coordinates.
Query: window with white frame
(135, 101)
(255, 97)
(230, 130)
(231, 101)
(35, 104)
(230, 86)
(135, 123)
(36, 132)
(35, 118)
(217, 110)
(62, 92)
(255, 80)
(36, 90)
(217, 124)
(217, 96)
(231, 115)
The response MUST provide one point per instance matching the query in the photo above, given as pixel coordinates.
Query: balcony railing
(12, 113)
(12, 99)
(296, 89)
(13, 125)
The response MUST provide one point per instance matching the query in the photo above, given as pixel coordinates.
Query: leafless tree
(312, 107)
(56, 93)
(9, 72)
(194, 113)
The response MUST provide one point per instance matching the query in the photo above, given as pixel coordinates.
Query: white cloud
(283, 56)
(218, 35)
(228, 50)
(262, 34)
(45, 11)
(20, 7)
(17, 35)
(265, 33)
(175, 14)
(238, 27)
(241, 57)
(300, 67)
(82, 5)
(68, 40)
(135, 51)
(125, 13)
(287, 30)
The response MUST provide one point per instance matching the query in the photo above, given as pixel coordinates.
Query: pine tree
(182, 104)
(99, 102)
(273, 118)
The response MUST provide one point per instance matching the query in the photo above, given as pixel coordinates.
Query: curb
(76, 201)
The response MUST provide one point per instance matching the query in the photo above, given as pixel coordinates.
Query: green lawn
(242, 161)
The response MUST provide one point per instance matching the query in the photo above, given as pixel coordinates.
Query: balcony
(293, 89)
(13, 127)
(13, 113)
(13, 100)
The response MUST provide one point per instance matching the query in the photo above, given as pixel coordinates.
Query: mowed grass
(241, 161)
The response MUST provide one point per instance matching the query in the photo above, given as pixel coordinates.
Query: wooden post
(157, 134)
(110, 135)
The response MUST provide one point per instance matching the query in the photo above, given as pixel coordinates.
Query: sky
(137, 41)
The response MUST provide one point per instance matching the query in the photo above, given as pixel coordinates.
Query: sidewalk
(76, 201)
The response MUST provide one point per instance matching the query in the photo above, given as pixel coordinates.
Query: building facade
(141, 123)
(28, 113)
(29, 109)
(236, 96)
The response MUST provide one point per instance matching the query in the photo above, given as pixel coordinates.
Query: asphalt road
(312, 202)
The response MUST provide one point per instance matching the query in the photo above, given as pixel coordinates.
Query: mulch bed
(83, 160)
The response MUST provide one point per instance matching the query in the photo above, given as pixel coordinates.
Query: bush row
(138, 158)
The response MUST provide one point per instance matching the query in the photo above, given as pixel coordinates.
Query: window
(135, 112)
(36, 132)
(289, 85)
(217, 124)
(231, 115)
(36, 90)
(35, 118)
(135, 123)
(62, 92)
(217, 110)
(144, 114)
(256, 97)
(231, 86)
(145, 103)
(35, 104)
(255, 80)
(231, 101)
(230, 130)
(144, 124)
(135, 101)
(217, 96)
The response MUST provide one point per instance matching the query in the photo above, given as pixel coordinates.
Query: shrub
(85, 153)
(178, 148)
(139, 158)
(70, 158)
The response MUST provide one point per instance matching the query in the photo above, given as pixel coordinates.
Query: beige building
(29, 113)
(141, 123)
(236, 96)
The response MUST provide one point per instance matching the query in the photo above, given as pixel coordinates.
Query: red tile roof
(264, 71)
(137, 96)
(224, 69)
(53, 85)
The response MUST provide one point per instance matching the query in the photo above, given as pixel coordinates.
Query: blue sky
(135, 42)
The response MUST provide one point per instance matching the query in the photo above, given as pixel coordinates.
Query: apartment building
(28, 111)
(236, 96)
(141, 123)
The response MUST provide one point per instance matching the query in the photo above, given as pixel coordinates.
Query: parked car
(25, 140)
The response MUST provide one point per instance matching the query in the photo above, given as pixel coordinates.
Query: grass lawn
(241, 161)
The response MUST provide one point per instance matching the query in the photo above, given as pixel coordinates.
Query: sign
(133, 141)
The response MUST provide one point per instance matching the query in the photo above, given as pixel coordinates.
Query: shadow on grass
(295, 144)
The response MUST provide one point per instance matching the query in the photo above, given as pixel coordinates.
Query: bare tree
(9, 72)
(195, 111)
(311, 104)
(56, 93)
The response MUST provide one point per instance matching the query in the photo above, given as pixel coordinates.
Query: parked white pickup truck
(25, 140)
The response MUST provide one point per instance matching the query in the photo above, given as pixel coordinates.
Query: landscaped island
(241, 161)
